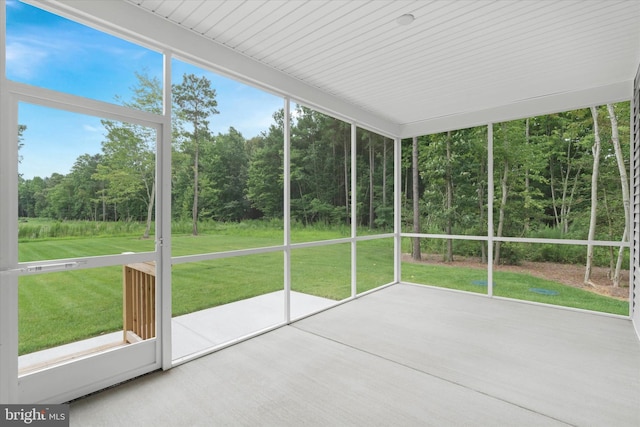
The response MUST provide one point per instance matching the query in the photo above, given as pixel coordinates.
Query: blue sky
(55, 53)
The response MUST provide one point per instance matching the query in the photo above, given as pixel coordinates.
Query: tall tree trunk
(564, 221)
(568, 195)
(103, 199)
(612, 262)
(554, 201)
(503, 203)
(503, 200)
(449, 207)
(346, 175)
(624, 183)
(303, 206)
(594, 194)
(371, 166)
(483, 247)
(527, 184)
(384, 173)
(104, 205)
(194, 210)
(406, 189)
(152, 198)
(416, 254)
(570, 201)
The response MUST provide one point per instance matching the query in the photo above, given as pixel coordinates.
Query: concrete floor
(198, 331)
(194, 332)
(406, 355)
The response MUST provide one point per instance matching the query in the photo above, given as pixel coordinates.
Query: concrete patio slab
(405, 355)
(204, 329)
(193, 332)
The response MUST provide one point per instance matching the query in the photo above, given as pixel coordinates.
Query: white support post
(490, 209)
(634, 188)
(354, 210)
(8, 231)
(5, 261)
(163, 221)
(287, 209)
(397, 210)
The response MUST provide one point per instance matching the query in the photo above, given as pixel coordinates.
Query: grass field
(62, 307)
(511, 285)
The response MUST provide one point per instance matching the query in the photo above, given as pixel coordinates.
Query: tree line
(560, 175)
(223, 177)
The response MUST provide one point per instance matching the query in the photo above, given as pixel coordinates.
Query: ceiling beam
(552, 103)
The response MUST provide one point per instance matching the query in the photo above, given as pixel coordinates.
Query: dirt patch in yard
(567, 274)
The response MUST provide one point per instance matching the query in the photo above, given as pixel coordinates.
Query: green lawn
(62, 307)
(511, 285)
(205, 284)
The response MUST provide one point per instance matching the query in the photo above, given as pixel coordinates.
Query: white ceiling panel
(457, 57)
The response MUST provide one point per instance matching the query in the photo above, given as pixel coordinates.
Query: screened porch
(348, 213)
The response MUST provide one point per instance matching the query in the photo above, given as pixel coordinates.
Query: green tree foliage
(317, 168)
(196, 102)
(21, 130)
(452, 174)
(374, 181)
(265, 182)
(128, 168)
(542, 182)
(85, 187)
(542, 175)
(126, 173)
(224, 170)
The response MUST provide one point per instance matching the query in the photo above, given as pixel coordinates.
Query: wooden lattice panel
(139, 301)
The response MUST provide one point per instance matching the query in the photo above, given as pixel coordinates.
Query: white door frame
(71, 379)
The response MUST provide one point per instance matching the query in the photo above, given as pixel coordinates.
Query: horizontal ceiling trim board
(348, 120)
(550, 104)
(135, 24)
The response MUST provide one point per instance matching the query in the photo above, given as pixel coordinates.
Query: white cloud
(23, 60)
(32, 51)
(91, 128)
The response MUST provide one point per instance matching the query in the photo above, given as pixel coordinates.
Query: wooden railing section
(139, 301)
